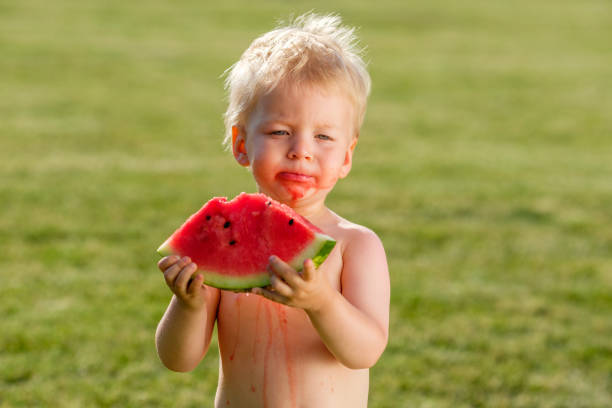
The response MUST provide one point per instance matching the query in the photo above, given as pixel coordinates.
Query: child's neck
(310, 210)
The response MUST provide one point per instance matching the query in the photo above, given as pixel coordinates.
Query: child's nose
(299, 149)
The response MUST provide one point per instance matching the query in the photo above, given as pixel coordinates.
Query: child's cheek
(327, 184)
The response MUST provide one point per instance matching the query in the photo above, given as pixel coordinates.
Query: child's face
(298, 142)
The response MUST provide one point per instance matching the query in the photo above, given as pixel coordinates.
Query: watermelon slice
(232, 241)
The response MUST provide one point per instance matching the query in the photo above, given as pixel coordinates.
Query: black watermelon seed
(269, 203)
(232, 242)
(291, 221)
(226, 225)
(207, 217)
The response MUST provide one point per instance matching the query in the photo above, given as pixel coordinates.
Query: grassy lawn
(486, 157)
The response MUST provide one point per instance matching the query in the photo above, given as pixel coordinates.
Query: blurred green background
(485, 165)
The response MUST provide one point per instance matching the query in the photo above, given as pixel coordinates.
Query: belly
(271, 356)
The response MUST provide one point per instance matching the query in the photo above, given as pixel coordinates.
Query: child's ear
(238, 146)
(348, 159)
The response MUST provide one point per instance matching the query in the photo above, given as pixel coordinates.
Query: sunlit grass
(484, 165)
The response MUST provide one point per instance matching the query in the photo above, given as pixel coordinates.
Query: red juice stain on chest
(256, 335)
(283, 324)
(237, 336)
(280, 311)
(266, 367)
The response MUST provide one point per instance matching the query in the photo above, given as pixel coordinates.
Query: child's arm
(354, 324)
(183, 334)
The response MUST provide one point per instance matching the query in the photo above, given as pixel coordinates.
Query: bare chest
(250, 325)
(272, 352)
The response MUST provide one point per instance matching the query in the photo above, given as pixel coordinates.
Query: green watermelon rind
(165, 249)
(235, 283)
(318, 251)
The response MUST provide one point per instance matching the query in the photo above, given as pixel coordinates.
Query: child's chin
(288, 195)
(297, 191)
(287, 199)
(281, 197)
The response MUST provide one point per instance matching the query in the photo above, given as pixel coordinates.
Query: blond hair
(313, 50)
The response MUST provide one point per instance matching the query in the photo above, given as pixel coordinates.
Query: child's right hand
(178, 273)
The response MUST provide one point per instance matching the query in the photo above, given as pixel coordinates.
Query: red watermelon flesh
(232, 241)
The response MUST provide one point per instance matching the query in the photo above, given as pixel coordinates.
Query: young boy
(297, 100)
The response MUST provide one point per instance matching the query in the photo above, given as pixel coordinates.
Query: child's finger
(178, 263)
(280, 287)
(166, 261)
(195, 284)
(180, 283)
(309, 271)
(284, 271)
(172, 271)
(268, 294)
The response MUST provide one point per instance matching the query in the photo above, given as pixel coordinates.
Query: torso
(271, 355)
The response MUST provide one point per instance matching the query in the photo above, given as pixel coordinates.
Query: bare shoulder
(354, 237)
(360, 251)
(365, 278)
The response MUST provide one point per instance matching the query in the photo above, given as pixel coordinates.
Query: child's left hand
(307, 290)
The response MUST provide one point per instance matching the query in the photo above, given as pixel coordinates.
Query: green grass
(486, 156)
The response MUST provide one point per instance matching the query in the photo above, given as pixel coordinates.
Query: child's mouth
(296, 184)
(296, 177)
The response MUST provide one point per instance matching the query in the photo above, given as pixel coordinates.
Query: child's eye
(279, 132)
(323, 137)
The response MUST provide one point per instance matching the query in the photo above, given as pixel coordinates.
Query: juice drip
(282, 320)
(298, 190)
(267, 356)
(231, 357)
(256, 336)
(280, 311)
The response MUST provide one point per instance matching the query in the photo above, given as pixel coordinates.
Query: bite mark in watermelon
(232, 241)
